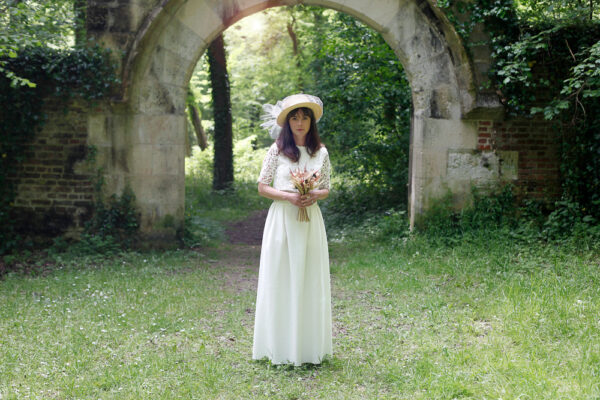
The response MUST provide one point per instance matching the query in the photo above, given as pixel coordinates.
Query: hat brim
(316, 109)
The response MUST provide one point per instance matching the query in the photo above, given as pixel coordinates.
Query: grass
(482, 316)
(411, 321)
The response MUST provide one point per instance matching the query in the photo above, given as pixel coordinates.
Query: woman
(293, 304)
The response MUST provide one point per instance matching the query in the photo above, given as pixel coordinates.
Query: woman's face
(300, 123)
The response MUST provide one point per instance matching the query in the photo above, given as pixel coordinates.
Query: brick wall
(54, 190)
(537, 145)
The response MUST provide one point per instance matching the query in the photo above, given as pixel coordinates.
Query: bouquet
(304, 181)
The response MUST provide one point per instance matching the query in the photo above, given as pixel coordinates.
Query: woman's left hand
(308, 199)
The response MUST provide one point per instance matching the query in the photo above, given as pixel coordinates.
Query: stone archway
(141, 141)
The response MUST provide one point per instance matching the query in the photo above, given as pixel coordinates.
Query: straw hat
(298, 101)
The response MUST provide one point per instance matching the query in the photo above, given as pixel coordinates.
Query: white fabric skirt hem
(293, 302)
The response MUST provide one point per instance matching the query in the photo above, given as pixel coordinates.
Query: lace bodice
(276, 167)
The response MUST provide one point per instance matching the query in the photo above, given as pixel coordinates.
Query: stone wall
(54, 185)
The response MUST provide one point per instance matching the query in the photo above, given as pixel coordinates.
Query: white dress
(293, 302)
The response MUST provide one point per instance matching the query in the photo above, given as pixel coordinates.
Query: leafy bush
(545, 59)
(567, 218)
(115, 219)
(486, 212)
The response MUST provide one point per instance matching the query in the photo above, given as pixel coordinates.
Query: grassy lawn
(481, 320)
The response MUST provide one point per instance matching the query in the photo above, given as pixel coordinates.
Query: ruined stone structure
(458, 139)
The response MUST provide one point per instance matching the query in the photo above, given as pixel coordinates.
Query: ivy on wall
(85, 73)
(549, 68)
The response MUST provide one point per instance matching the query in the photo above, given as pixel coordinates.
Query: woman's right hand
(296, 199)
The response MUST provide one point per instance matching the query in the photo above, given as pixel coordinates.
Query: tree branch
(570, 51)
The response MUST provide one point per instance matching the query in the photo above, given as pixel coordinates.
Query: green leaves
(366, 125)
(34, 23)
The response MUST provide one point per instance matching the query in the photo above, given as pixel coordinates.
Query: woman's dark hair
(285, 141)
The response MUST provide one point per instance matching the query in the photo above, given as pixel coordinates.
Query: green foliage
(114, 219)
(538, 12)
(34, 23)
(555, 72)
(570, 220)
(532, 71)
(499, 214)
(366, 125)
(199, 231)
(576, 110)
(486, 212)
(64, 74)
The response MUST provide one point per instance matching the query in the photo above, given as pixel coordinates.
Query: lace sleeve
(267, 173)
(325, 172)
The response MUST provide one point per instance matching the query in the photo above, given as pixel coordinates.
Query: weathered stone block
(168, 160)
(160, 129)
(140, 160)
(157, 197)
(509, 164)
(160, 98)
(202, 18)
(445, 134)
(170, 67)
(377, 16)
(146, 4)
(182, 40)
(97, 133)
(480, 168)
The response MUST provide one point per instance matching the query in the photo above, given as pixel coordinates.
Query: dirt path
(239, 259)
(249, 230)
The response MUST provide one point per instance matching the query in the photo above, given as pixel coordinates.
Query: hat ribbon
(270, 118)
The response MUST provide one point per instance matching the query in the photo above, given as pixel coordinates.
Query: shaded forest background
(367, 98)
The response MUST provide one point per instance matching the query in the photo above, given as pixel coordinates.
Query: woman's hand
(310, 198)
(302, 201)
(296, 199)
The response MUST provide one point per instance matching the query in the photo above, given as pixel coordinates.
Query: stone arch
(146, 133)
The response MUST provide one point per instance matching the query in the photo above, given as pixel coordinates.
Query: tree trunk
(223, 139)
(196, 121)
(295, 49)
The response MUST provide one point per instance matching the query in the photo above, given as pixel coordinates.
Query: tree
(34, 23)
(192, 107)
(223, 134)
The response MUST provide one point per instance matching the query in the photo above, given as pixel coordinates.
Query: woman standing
(293, 304)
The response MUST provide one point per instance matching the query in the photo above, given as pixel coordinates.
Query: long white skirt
(293, 302)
